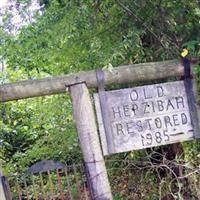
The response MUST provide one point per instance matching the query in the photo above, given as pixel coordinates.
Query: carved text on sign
(145, 116)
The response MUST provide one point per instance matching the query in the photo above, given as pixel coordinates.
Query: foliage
(66, 36)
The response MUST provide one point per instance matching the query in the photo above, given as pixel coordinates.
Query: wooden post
(87, 131)
(6, 188)
(2, 195)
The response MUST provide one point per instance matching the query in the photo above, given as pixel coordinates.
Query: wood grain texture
(2, 194)
(88, 137)
(6, 188)
(146, 116)
(121, 74)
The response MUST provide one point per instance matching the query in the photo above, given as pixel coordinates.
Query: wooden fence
(118, 75)
(84, 117)
(48, 180)
(70, 182)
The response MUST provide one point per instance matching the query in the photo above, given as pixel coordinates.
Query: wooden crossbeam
(121, 74)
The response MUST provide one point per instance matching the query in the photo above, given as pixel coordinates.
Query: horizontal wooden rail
(121, 74)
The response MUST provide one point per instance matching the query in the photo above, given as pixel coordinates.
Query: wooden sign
(143, 117)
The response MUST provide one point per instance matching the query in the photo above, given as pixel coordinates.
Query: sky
(3, 3)
(17, 20)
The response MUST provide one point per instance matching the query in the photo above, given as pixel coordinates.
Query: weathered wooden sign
(142, 117)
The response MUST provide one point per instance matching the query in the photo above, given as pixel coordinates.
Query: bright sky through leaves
(17, 20)
(3, 3)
